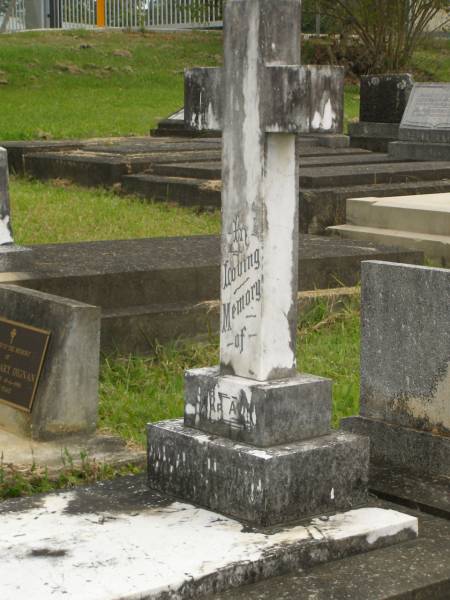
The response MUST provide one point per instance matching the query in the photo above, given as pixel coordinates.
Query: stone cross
(240, 447)
(260, 100)
(6, 236)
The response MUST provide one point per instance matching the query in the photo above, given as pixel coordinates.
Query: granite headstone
(425, 128)
(383, 99)
(405, 366)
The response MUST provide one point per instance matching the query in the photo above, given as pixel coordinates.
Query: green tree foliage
(384, 33)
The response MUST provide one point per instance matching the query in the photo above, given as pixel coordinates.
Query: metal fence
(124, 14)
(12, 16)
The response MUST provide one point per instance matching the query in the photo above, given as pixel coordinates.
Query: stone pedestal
(259, 413)
(262, 486)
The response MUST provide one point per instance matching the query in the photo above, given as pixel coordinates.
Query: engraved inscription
(22, 353)
(241, 286)
(226, 404)
(429, 107)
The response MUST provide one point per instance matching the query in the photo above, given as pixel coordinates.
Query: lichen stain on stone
(431, 413)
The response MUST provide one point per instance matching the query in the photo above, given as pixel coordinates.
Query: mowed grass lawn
(78, 84)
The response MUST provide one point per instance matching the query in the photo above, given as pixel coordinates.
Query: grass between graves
(16, 482)
(135, 390)
(77, 84)
(54, 212)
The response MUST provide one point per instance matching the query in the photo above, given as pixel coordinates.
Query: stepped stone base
(373, 136)
(262, 486)
(414, 450)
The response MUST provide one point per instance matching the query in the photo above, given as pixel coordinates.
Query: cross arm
(306, 99)
(203, 98)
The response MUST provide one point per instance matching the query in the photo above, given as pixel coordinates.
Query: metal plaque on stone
(22, 353)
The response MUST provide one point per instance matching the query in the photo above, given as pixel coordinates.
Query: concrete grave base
(372, 136)
(119, 540)
(410, 150)
(263, 486)
(422, 452)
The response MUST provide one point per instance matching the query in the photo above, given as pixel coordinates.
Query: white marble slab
(53, 551)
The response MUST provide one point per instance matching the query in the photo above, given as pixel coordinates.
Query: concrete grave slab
(418, 569)
(161, 288)
(119, 539)
(420, 221)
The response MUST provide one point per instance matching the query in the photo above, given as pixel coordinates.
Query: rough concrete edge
(280, 560)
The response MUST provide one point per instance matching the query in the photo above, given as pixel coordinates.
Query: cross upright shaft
(260, 188)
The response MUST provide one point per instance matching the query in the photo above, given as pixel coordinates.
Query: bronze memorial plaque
(22, 354)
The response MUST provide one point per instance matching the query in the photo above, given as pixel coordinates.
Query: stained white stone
(51, 553)
(5, 232)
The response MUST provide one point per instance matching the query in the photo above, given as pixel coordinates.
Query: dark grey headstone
(384, 97)
(67, 394)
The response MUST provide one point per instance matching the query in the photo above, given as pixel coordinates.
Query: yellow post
(100, 13)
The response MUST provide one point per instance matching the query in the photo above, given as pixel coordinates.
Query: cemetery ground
(256, 443)
(138, 389)
(86, 84)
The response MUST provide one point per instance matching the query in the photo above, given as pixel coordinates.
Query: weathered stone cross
(6, 236)
(240, 447)
(260, 100)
